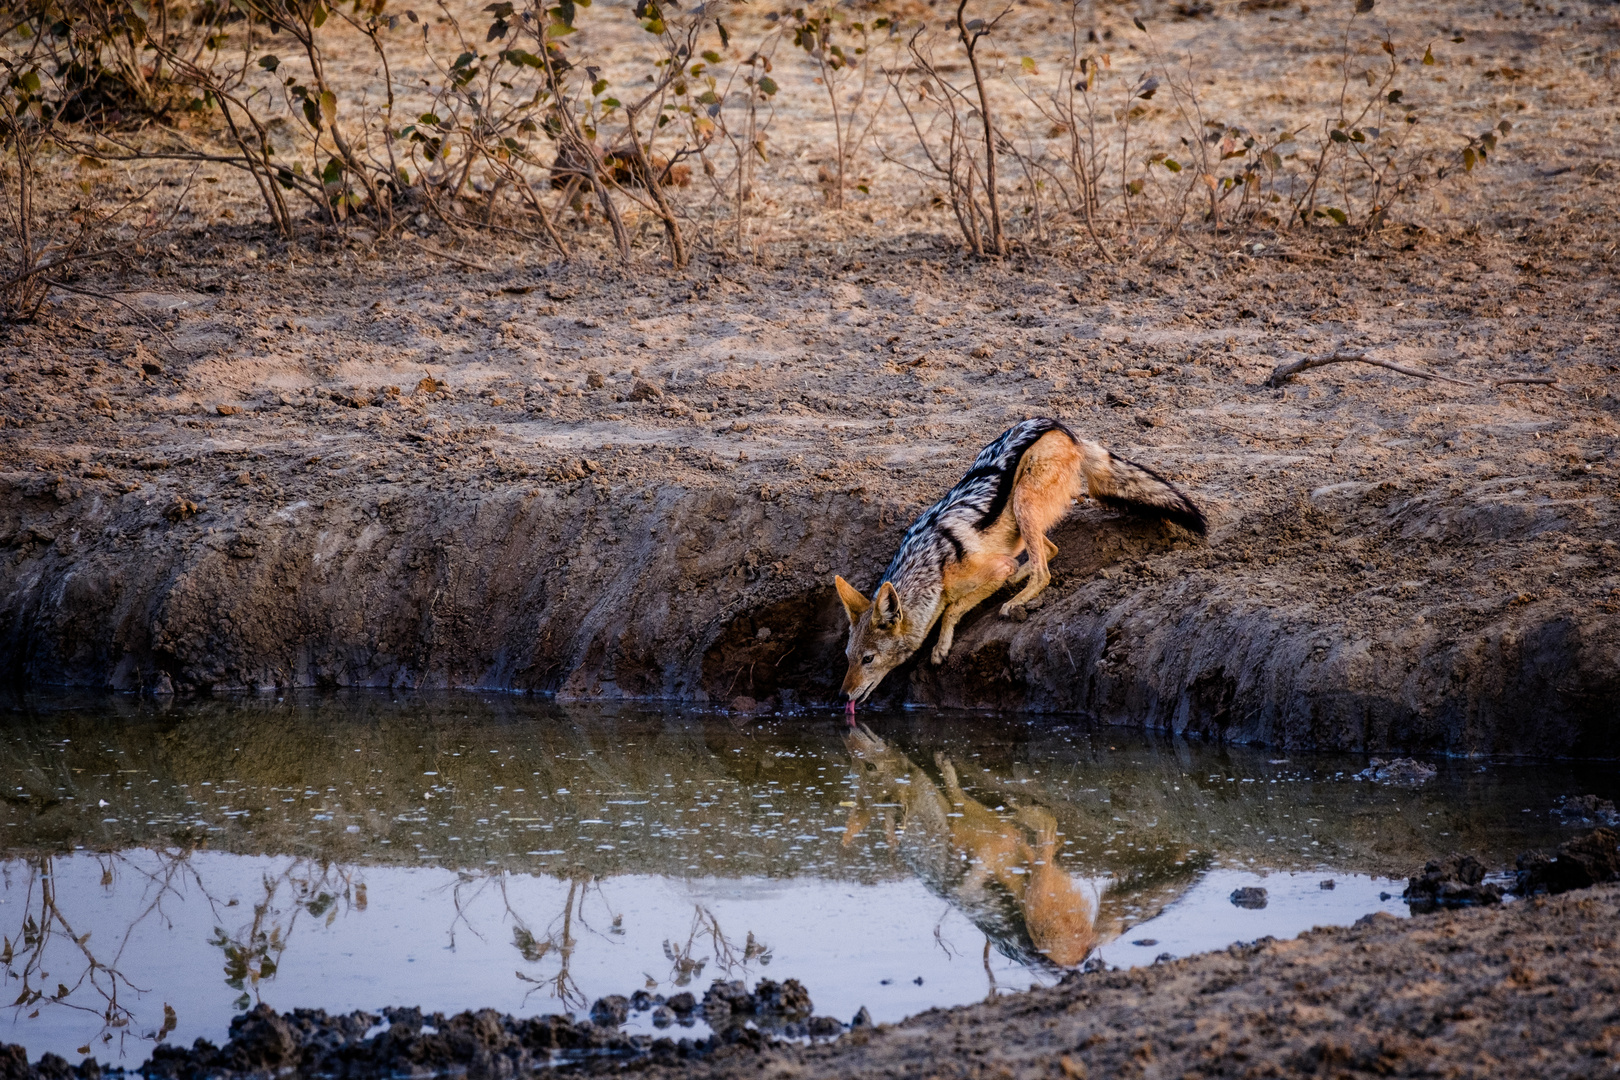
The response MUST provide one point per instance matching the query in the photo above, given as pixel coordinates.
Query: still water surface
(164, 867)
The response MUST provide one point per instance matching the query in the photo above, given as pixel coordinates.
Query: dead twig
(431, 250)
(1287, 371)
(65, 287)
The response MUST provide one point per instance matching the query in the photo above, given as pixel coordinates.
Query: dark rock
(727, 999)
(1579, 863)
(1146, 942)
(1455, 881)
(645, 391)
(53, 1067)
(641, 1001)
(682, 1004)
(1326, 884)
(610, 1011)
(861, 1019)
(786, 999)
(663, 1016)
(824, 1027)
(1249, 896)
(260, 1040)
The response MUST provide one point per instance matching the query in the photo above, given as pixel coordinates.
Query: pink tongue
(849, 711)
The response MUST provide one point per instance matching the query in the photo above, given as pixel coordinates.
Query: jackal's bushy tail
(1115, 481)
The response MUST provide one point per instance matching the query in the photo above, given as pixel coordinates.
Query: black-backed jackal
(966, 546)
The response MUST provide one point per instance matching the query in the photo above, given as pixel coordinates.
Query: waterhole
(165, 867)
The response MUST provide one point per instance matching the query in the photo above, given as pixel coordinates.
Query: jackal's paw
(1015, 612)
(938, 655)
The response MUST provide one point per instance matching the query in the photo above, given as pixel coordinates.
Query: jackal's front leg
(970, 586)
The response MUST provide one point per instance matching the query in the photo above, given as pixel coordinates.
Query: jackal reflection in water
(1001, 872)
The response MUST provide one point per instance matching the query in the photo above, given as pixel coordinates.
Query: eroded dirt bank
(1392, 563)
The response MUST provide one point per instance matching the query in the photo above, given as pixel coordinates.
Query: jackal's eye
(868, 658)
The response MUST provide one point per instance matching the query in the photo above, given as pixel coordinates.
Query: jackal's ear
(855, 604)
(888, 605)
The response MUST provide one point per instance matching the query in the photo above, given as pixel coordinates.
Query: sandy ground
(360, 461)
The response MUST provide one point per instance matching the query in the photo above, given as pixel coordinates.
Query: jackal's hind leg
(1023, 571)
(1034, 574)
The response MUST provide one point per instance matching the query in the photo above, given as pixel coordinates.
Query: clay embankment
(1330, 619)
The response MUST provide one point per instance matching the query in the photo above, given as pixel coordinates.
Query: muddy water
(164, 867)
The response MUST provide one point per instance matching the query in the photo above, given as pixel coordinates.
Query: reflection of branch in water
(939, 936)
(253, 953)
(560, 940)
(35, 937)
(726, 955)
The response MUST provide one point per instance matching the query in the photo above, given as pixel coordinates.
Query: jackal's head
(877, 638)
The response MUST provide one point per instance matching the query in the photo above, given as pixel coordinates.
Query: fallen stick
(1537, 380)
(1287, 371)
(431, 250)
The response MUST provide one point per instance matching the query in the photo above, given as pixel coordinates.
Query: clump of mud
(1588, 860)
(1586, 810)
(1398, 772)
(1455, 881)
(485, 1043)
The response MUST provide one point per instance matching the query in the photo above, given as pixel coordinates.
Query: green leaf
(331, 175)
(611, 103)
(1428, 56)
(1338, 136)
(269, 63)
(767, 86)
(598, 86)
(1337, 215)
(1469, 158)
(30, 81)
(1395, 96)
(1027, 64)
(429, 118)
(711, 56)
(329, 106)
(1363, 6)
(653, 26)
(708, 98)
(1172, 164)
(463, 60)
(318, 16)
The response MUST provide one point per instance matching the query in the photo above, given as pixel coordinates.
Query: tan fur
(1052, 473)
(1019, 855)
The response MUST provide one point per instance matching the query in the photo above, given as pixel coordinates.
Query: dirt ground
(1524, 990)
(449, 458)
